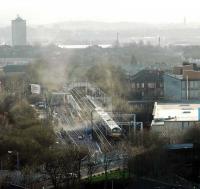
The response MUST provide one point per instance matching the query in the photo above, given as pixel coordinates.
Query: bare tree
(91, 167)
(63, 165)
(53, 167)
(106, 163)
(71, 162)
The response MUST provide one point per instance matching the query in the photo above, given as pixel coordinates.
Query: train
(112, 128)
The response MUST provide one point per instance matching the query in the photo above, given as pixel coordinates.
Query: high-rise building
(18, 32)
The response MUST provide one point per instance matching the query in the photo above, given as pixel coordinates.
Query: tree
(15, 84)
(23, 133)
(121, 105)
(91, 167)
(23, 115)
(107, 159)
(152, 163)
(192, 135)
(63, 165)
(53, 167)
(82, 153)
(146, 139)
(109, 78)
(124, 150)
(72, 164)
(149, 158)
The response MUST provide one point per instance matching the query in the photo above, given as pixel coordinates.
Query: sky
(38, 12)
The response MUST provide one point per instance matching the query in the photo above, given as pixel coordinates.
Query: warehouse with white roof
(174, 118)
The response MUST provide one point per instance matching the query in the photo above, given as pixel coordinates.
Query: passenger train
(112, 129)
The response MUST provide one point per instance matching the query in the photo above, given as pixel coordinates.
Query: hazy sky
(50, 11)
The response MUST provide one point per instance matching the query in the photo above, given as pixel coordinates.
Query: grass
(113, 175)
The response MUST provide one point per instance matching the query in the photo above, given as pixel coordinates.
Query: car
(80, 137)
(41, 105)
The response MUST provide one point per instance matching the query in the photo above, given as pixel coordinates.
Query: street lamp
(17, 154)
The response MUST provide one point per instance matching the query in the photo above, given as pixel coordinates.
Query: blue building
(183, 84)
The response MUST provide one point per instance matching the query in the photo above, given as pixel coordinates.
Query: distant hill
(84, 32)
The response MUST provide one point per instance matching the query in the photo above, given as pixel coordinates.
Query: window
(184, 84)
(151, 85)
(142, 85)
(194, 84)
(133, 85)
(194, 94)
(191, 84)
(138, 85)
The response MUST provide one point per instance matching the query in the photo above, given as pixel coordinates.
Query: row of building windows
(192, 94)
(191, 84)
(149, 85)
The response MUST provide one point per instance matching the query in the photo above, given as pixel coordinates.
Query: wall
(191, 74)
(173, 129)
(172, 88)
(18, 33)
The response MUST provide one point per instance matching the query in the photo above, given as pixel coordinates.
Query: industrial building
(19, 32)
(172, 119)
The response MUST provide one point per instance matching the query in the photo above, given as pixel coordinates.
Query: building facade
(183, 84)
(19, 32)
(145, 87)
(147, 84)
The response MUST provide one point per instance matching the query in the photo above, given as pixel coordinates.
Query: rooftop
(176, 112)
(148, 75)
(179, 146)
(180, 77)
(18, 18)
(186, 71)
(14, 68)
